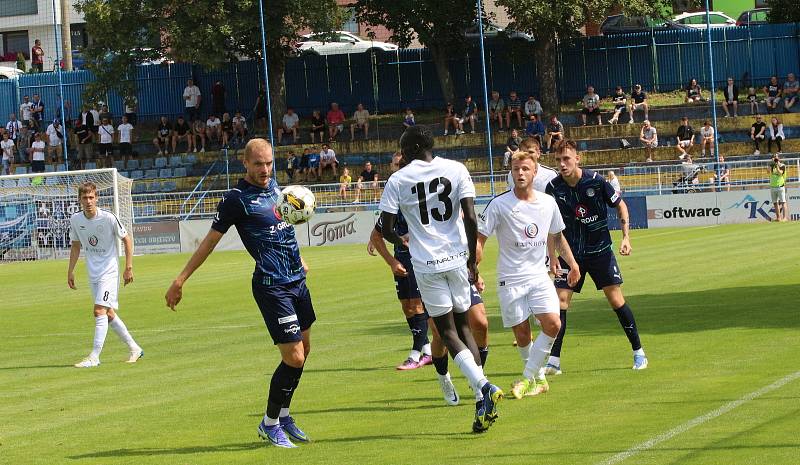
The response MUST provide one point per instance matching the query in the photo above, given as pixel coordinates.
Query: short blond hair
(256, 145)
(530, 144)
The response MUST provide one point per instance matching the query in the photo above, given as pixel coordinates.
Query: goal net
(35, 210)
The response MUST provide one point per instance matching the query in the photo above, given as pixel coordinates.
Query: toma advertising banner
(341, 228)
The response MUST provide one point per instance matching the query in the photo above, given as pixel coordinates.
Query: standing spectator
(758, 133)
(317, 127)
(26, 111)
(334, 119)
(409, 120)
(361, 122)
(367, 180)
(37, 153)
(87, 118)
(37, 57)
(451, 119)
(67, 111)
(535, 129)
(512, 145)
(777, 184)
(192, 99)
(513, 108)
(470, 114)
(182, 130)
(344, 183)
(649, 138)
(218, 98)
(790, 89)
(693, 92)
(706, 138)
(55, 137)
(199, 133)
(7, 148)
(239, 126)
(775, 135)
(554, 134)
(496, 109)
(214, 128)
(37, 112)
(24, 144)
(620, 105)
(731, 98)
(289, 125)
(107, 143)
(614, 181)
(95, 122)
(125, 139)
(327, 158)
(131, 107)
(291, 161)
(260, 111)
(533, 107)
(685, 138)
(83, 138)
(752, 98)
(227, 129)
(163, 136)
(591, 106)
(773, 90)
(13, 127)
(105, 113)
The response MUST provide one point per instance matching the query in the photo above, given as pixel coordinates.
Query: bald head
(258, 162)
(257, 146)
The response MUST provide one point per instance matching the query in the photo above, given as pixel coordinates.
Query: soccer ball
(296, 204)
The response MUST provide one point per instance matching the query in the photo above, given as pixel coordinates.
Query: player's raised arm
(74, 253)
(624, 222)
(175, 291)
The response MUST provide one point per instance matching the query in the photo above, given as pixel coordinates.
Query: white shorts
(778, 194)
(105, 292)
(445, 291)
(637, 106)
(685, 143)
(517, 303)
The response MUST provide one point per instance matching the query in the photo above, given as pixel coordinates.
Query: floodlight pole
(486, 100)
(64, 145)
(713, 89)
(266, 80)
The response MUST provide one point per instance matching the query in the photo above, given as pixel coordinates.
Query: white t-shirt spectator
(25, 111)
(52, 134)
(706, 132)
(591, 101)
(212, 123)
(132, 107)
(13, 128)
(7, 146)
(327, 155)
(106, 134)
(361, 116)
(240, 121)
(124, 130)
(37, 149)
(290, 121)
(95, 116)
(192, 92)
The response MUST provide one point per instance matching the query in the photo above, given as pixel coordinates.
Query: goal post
(35, 210)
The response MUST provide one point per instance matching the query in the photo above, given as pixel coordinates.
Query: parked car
(621, 24)
(7, 72)
(697, 19)
(493, 31)
(339, 42)
(753, 17)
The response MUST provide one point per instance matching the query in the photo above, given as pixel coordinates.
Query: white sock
(100, 331)
(119, 327)
(639, 351)
(524, 353)
(284, 412)
(471, 370)
(539, 352)
(426, 349)
(270, 421)
(554, 360)
(414, 355)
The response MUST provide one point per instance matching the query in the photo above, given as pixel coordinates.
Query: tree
(556, 22)
(783, 11)
(439, 25)
(205, 32)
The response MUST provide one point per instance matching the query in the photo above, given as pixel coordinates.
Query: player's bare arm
(480, 285)
(388, 221)
(380, 246)
(624, 221)
(74, 254)
(305, 265)
(175, 291)
(561, 246)
(127, 275)
(471, 228)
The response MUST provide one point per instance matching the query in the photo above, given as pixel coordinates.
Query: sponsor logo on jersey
(440, 260)
(531, 230)
(590, 192)
(93, 240)
(582, 214)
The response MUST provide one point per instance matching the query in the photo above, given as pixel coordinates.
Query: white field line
(697, 421)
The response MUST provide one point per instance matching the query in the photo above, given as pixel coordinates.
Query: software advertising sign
(710, 208)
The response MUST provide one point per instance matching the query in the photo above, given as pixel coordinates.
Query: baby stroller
(688, 182)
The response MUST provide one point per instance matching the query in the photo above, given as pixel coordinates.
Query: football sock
(284, 412)
(524, 352)
(440, 363)
(419, 330)
(471, 370)
(426, 349)
(556, 350)
(281, 387)
(414, 355)
(484, 354)
(625, 316)
(539, 352)
(100, 331)
(288, 400)
(119, 327)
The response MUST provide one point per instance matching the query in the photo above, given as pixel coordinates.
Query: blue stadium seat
(139, 187)
(179, 172)
(151, 174)
(175, 161)
(49, 168)
(21, 170)
(147, 164)
(161, 162)
(169, 186)
(137, 174)
(132, 165)
(24, 182)
(124, 174)
(9, 183)
(190, 159)
(165, 173)
(61, 167)
(51, 181)
(154, 186)
(90, 165)
(119, 165)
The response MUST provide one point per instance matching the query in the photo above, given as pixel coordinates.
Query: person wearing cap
(639, 102)
(758, 133)
(777, 185)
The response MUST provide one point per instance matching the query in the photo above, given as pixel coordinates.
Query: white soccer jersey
(98, 237)
(544, 175)
(522, 228)
(429, 196)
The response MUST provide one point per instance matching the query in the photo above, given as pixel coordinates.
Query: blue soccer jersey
(269, 240)
(585, 212)
(401, 229)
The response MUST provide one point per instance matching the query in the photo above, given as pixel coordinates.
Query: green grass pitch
(717, 309)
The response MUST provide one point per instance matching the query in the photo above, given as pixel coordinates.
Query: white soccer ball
(296, 204)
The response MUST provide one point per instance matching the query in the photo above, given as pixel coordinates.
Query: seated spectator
(317, 127)
(513, 108)
(693, 92)
(730, 94)
(291, 162)
(496, 109)
(408, 120)
(125, 138)
(313, 163)
(554, 134)
(535, 129)
(620, 105)
(199, 133)
(55, 138)
(614, 181)
(532, 107)
(722, 174)
(8, 152)
(239, 127)
(451, 119)
(360, 122)
(639, 102)
(344, 183)
(335, 121)
(706, 138)
(214, 128)
(758, 133)
(36, 153)
(182, 131)
(752, 98)
(790, 89)
(289, 125)
(591, 106)
(84, 142)
(773, 90)
(469, 114)
(163, 136)
(226, 128)
(512, 145)
(649, 138)
(327, 158)
(303, 166)
(775, 135)
(685, 138)
(368, 179)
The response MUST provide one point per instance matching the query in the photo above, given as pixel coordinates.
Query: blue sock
(625, 316)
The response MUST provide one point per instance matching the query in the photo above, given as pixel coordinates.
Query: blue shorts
(406, 286)
(603, 270)
(286, 309)
(474, 297)
(313, 163)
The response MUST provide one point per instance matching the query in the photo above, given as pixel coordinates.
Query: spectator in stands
(360, 122)
(218, 98)
(199, 133)
(313, 164)
(260, 111)
(512, 145)
(758, 132)
(106, 147)
(192, 99)
(649, 138)
(291, 161)
(105, 113)
(367, 180)
(125, 138)
(513, 108)
(706, 138)
(614, 181)
(327, 158)
(554, 134)
(131, 107)
(304, 163)
(497, 109)
(334, 119)
(722, 174)
(693, 92)
(226, 129)
(87, 119)
(532, 107)
(408, 119)
(24, 144)
(55, 137)
(8, 152)
(214, 128)
(535, 129)
(591, 106)
(451, 119)
(775, 135)
(13, 127)
(290, 123)
(239, 127)
(84, 143)
(37, 57)
(773, 90)
(777, 184)
(317, 127)
(95, 122)
(752, 98)
(684, 138)
(620, 105)
(470, 114)
(344, 183)
(182, 131)
(790, 89)
(37, 153)
(730, 95)
(37, 112)
(26, 111)
(163, 136)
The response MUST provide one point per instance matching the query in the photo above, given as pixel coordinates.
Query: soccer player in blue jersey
(278, 283)
(583, 197)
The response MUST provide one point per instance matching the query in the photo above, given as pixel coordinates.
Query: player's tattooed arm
(624, 221)
(561, 244)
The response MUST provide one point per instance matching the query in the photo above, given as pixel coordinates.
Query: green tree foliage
(783, 11)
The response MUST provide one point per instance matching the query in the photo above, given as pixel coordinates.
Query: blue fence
(662, 61)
